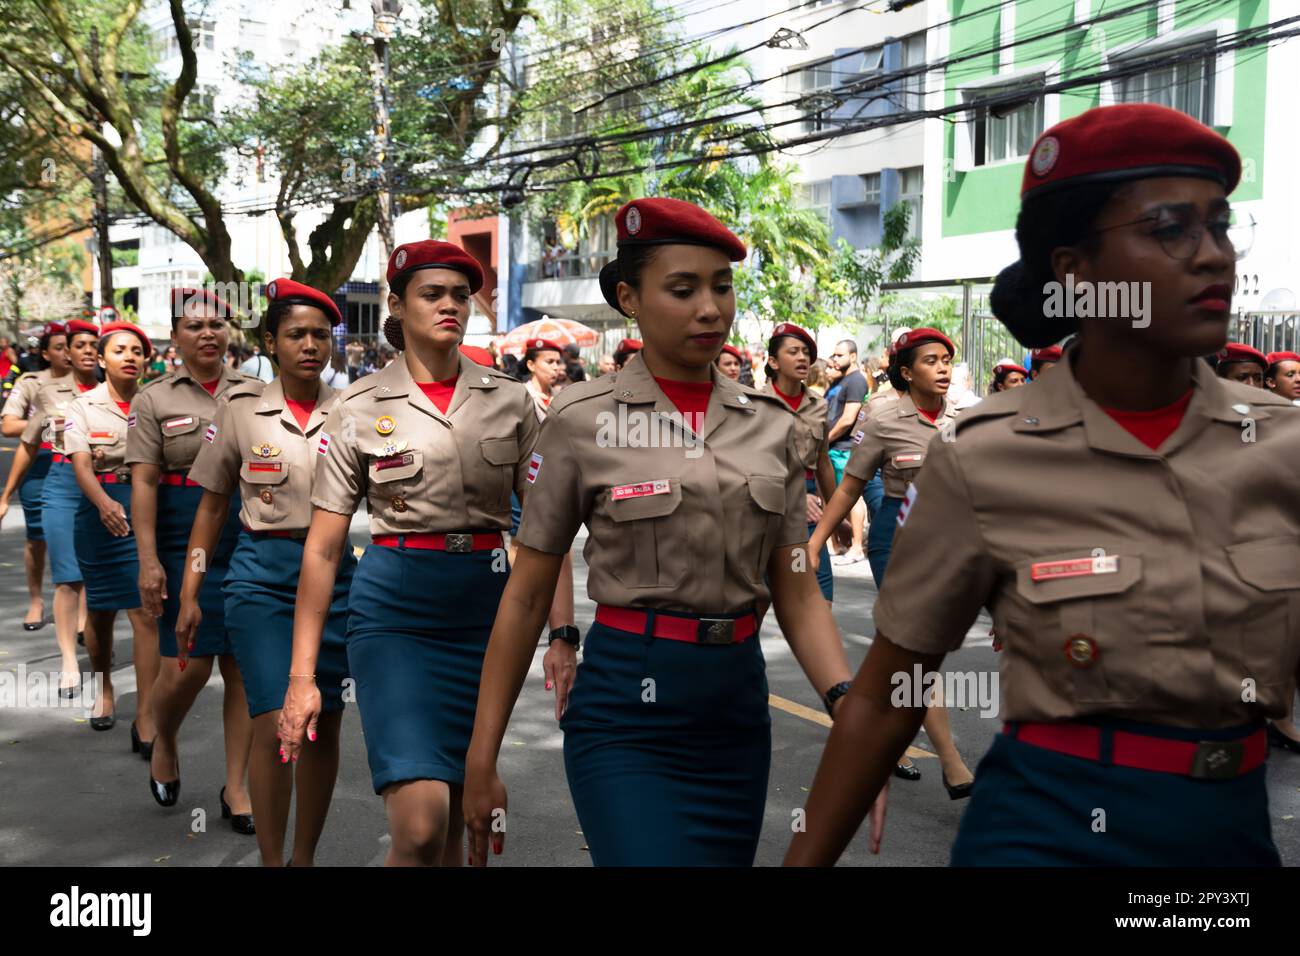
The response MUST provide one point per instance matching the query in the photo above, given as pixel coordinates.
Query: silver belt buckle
(460, 543)
(123, 476)
(715, 630)
(1218, 759)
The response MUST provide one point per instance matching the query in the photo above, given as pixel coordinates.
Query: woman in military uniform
(893, 443)
(95, 442)
(262, 443)
(1148, 607)
(667, 736)
(1241, 363)
(20, 402)
(168, 419)
(1008, 374)
(434, 443)
(729, 362)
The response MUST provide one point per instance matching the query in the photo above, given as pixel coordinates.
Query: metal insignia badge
(391, 448)
(400, 260)
(265, 450)
(385, 425)
(270, 291)
(1045, 156)
(633, 221)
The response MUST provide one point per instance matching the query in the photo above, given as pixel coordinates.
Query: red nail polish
(496, 848)
(548, 685)
(312, 737)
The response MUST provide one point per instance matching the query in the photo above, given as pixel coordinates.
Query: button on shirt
(1156, 585)
(676, 521)
(97, 426)
(894, 439)
(169, 416)
(256, 445)
(421, 470)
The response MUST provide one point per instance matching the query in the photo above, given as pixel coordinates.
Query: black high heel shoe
(239, 822)
(959, 792)
(1279, 739)
(166, 794)
(907, 773)
(142, 747)
(105, 722)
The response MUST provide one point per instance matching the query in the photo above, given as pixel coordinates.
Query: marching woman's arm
(112, 514)
(867, 738)
(144, 453)
(321, 554)
(825, 472)
(209, 519)
(520, 617)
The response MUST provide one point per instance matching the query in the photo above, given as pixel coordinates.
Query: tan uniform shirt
(810, 425)
(169, 416)
(1158, 586)
(421, 470)
(894, 438)
(255, 444)
(23, 395)
(97, 426)
(48, 415)
(671, 525)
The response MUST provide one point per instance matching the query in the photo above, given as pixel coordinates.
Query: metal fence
(1268, 331)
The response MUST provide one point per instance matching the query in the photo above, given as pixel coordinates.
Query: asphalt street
(72, 797)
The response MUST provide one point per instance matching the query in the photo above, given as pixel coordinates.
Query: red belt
(110, 478)
(1212, 759)
(58, 457)
(177, 479)
(807, 474)
(299, 533)
(48, 445)
(693, 629)
(455, 543)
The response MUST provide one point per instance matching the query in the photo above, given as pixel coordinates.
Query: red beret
(732, 350)
(1050, 354)
(1236, 352)
(629, 345)
(543, 345)
(124, 326)
(80, 327)
(478, 354)
(288, 289)
(434, 254)
(55, 328)
(1128, 141)
(789, 328)
(183, 296)
(910, 340)
(1275, 357)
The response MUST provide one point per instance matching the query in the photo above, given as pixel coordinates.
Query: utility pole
(386, 14)
(99, 176)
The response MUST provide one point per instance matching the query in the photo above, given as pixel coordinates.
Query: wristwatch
(834, 694)
(569, 634)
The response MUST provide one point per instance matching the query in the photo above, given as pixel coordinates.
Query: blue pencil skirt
(177, 506)
(109, 566)
(825, 579)
(667, 747)
(261, 589)
(30, 493)
(418, 627)
(60, 499)
(880, 537)
(1035, 807)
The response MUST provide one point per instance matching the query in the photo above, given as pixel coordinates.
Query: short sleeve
(339, 483)
(794, 523)
(932, 595)
(143, 434)
(216, 466)
(869, 451)
(554, 505)
(32, 430)
(529, 431)
(76, 429)
(20, 399)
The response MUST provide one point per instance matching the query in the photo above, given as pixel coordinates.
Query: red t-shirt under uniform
(1153, 427)
(301, 411)
(439, 392)
(691, 399)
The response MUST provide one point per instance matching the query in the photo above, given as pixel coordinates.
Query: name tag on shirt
(394, 461)
(904, 459)
(1080, 567)
(103, 436)
(641, 489)
(265, 466)
(178, 422)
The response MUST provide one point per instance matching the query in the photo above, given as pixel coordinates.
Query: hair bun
(1017, 301)
(393, 332)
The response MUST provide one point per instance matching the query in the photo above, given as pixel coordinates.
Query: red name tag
(900, 459)
(641, 489)
(265, 466)
(107, 436)
(1077, 568)
(395, 461)
(177, 422)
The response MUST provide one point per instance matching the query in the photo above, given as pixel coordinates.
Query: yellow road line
(817, 717)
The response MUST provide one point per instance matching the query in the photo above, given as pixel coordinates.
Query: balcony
(568, 286)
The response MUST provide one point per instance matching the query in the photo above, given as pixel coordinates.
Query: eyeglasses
(1179, 232)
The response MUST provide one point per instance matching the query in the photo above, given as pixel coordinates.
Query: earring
(632, 316)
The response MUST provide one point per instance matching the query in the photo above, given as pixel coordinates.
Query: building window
(1187, 85)
(203, 33)
(1007, 130)
(914, 86)
(910, 192)
(817, 197)
(871, 183)
(813, 82)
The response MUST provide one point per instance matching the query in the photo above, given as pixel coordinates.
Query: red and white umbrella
(560, 331)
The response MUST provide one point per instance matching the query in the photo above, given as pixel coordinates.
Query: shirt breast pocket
(762, 524)
(266, 491)
(908, 467)
(1270, 628)
(808, 439)
(502, 455)
(1085, 628)
(650, 543)
(181, 441)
